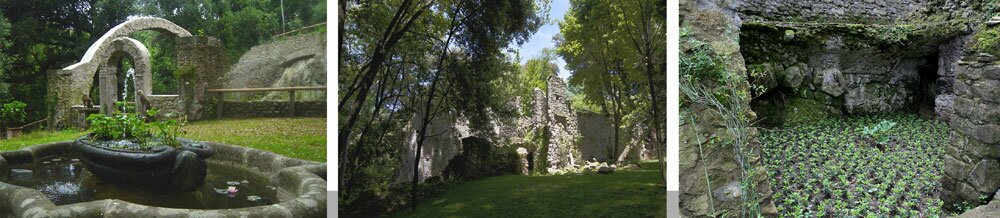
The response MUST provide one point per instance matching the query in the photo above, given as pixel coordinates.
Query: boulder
(793, 76)
(522, 156)
(605, 170)
(833, 82)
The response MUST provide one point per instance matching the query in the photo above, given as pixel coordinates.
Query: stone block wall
(717, 25)
(244, 109)
(441, 145)
(563, 149)
(834, 70)
(830, 10)
(598, 135)
(208, 59)
(972, 161)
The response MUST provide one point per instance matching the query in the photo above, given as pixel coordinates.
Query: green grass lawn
(627, 193)
(303, 138)
(37, 138)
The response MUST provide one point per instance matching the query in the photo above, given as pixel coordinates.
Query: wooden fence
(220, 102)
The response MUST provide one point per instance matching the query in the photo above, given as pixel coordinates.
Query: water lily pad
(253, 198)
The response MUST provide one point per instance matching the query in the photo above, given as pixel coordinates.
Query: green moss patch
(800, 111)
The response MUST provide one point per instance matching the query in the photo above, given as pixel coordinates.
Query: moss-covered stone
(987, 40)
(800, 111)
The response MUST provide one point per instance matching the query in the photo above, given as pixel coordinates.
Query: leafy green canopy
(445, 58)
(37, 36)
(616, 51)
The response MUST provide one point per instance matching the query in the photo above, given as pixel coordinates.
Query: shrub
(480, 159)
(125, 126)
(878, 131)
(13, 113)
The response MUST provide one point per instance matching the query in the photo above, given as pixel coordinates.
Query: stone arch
(141, 63)
(100, 49)
(67, 86)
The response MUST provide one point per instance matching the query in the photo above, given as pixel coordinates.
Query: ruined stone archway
(141, 63)
(68, 85)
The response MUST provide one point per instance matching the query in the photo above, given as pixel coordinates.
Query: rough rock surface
(718, 25)
(563, 150)
(439, 148)
(598, 136)
(972, 163)
(293, 61)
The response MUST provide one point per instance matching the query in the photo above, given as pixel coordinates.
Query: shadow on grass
(627, 193)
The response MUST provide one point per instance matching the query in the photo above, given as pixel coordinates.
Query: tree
(616, 51)
(401, 57)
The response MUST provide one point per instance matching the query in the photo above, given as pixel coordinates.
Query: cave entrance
(926, 90)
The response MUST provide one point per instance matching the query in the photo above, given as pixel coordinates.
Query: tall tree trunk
(371, 69)
(428, 111)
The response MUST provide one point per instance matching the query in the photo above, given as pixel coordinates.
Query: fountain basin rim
(299, 177)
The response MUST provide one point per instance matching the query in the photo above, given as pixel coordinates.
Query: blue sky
(543, 37)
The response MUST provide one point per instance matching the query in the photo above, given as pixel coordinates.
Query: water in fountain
(64, 180)
(129, 74)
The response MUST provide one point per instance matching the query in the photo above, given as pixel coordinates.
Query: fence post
(291, 99)
(219, 101)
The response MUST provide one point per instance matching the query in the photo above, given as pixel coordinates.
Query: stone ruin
(563, 148)
(68, 86)
(805, 63)
(573, 136)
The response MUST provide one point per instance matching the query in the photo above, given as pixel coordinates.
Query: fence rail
(220, 102)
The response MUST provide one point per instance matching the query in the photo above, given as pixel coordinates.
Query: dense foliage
(406, 60)
(146, 131)
(616, 51)
(38, 36)
(13, 113)
(829, 170)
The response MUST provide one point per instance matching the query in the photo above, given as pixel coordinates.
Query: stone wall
(808, 72)
(716, 24)
(287, 62)
(598, 136)
(563, 149)
(207, 57)
(829, 10)
(441, 145)
(972, 163)
(243, 109)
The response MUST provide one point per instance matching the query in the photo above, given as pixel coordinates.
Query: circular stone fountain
(50, 180)
(159, 169)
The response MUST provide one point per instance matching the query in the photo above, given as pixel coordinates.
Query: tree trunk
(371, 70)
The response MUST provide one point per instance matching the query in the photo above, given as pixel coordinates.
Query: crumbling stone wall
(68, 85)
(802, 72)
(563, 150)
(716, 24)
(443, 142)
(835, 57)
(597, 136)
(206, 56)
(972, 161)
(828, 9)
